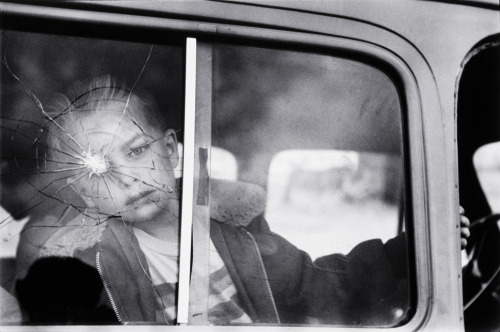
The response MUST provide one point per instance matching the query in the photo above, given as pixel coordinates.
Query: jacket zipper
(268, 285)
(99, 270)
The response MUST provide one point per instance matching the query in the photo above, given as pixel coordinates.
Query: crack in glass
(95, 155)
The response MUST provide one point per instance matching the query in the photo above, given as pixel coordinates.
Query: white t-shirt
(163, 261)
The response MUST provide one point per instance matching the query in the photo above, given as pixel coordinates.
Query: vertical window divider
(186, 229)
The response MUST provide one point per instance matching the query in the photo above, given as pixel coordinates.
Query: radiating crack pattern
(97, 155)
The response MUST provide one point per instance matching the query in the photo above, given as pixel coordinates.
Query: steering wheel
(481, 276)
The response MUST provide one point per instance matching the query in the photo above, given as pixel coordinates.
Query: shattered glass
(93, 154)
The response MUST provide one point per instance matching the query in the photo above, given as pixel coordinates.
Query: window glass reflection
(319, 144)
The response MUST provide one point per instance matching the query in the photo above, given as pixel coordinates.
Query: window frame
(428, 198)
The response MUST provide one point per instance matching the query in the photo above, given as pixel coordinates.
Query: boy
(129, 226)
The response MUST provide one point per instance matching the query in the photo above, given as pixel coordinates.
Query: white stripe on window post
(187, 184)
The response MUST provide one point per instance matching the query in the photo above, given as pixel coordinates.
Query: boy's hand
(464, 228)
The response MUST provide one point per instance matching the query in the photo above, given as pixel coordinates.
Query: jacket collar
(236, 203)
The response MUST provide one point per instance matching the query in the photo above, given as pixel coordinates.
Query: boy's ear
(86, 198)
(170, 140)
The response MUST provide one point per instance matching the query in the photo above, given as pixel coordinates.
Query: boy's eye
(139, 151)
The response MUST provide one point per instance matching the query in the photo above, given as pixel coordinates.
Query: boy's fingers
(464, 221)
(464, 228)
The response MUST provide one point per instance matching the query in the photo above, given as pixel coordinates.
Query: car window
(319, 144)
(84, 126)
(298, 195)
(478, 106)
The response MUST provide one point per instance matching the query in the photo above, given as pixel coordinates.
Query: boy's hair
(87, 99)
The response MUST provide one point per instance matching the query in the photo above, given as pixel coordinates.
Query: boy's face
(127, 166)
